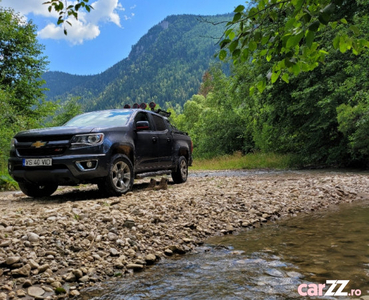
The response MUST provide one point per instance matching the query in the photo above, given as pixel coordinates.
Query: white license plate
(37, 162)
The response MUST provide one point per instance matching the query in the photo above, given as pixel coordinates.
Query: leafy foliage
(288, 32)
(65, 112)
(66, 11)
(321, 117)
(21, 64)
(21, 93)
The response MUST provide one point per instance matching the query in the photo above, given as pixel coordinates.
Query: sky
(103, 37)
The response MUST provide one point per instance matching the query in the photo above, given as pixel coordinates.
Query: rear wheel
(120, 178)
(35, 190)
(181, 173)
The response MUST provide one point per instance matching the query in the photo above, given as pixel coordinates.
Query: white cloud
(87, 26)
(29, 6)
(77, 33)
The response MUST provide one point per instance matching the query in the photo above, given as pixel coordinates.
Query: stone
(135, 267)
(70, 277)
(131, 253)
(5, 243)
(56, 284)
(21, 293)
(119, 242)
(150, 259)
(74, 293)
(33, 237)
(187, 240)
(78, 273)
(47, 289)
(35, 291)
(85, 278)
(27, 283)
(112, 236)
(12, 260)
(24, 271)
(114, 252)
(129, 223)
(33, 264)
(168, 252)
(43, 268)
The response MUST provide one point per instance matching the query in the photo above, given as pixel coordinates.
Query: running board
(153, 174)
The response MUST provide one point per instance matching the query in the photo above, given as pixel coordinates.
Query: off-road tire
(38, 191)
(120, 178)
(181, 173)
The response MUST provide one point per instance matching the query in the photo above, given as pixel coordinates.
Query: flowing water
(265, 263)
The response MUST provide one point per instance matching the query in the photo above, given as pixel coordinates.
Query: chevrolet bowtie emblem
(38, 144)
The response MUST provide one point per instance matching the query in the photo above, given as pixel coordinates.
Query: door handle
(169, 140)
(154, 139)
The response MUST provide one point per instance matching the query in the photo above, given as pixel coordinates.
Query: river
(288, 259)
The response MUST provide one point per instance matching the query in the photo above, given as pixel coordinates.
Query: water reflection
(266, 263)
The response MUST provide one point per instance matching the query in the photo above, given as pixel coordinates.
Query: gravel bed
(54, 247)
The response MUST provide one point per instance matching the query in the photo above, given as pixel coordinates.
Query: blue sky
(105, 36)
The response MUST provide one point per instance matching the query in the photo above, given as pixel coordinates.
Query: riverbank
(56, 246)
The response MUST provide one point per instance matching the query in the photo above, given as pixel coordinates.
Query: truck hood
(52, 131)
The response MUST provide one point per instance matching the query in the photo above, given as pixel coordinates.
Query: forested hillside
(165, 66)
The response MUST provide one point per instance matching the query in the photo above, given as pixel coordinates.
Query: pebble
(33, 237)
(150, 259)
(23, 271)
(12, 260)
(35, 291)
(136, 267)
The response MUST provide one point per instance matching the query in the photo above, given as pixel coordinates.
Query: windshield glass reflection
(108, 118)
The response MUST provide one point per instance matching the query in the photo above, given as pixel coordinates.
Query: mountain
(165, 66)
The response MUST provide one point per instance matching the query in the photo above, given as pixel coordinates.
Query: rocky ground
(54, 247)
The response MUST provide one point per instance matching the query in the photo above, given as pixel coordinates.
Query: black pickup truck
(109, 148)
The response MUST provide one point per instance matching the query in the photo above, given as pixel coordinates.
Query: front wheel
(120, 178)
(36, 191)
(181, 173)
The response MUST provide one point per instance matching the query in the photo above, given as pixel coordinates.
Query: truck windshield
(108, 118)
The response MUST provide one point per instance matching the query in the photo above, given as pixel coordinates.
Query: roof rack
(163, 113)
(152, 107)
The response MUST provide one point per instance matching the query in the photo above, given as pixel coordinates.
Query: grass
(249, 161)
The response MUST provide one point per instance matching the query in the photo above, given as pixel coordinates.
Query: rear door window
(159, 123)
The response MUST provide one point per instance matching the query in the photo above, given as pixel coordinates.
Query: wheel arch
(126, 150)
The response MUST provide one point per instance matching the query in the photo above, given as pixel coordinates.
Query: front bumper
(65, 170)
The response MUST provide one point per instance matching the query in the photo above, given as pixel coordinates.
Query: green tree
(320, 115)
(213, 122)
(21, 66)
(287, 33)
(66, 111)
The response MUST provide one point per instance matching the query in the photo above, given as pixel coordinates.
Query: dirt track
(56, 246)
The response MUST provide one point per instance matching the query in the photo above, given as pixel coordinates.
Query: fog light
(87, 165)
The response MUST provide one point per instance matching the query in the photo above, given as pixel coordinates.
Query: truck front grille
(43, 145)
(41, 152)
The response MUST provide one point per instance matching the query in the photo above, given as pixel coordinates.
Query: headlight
(84, 140)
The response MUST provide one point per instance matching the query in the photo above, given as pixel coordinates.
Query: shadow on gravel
(90, 192)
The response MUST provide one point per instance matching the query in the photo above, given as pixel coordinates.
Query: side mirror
(142, 125)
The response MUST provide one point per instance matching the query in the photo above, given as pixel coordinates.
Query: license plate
(37, 162)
